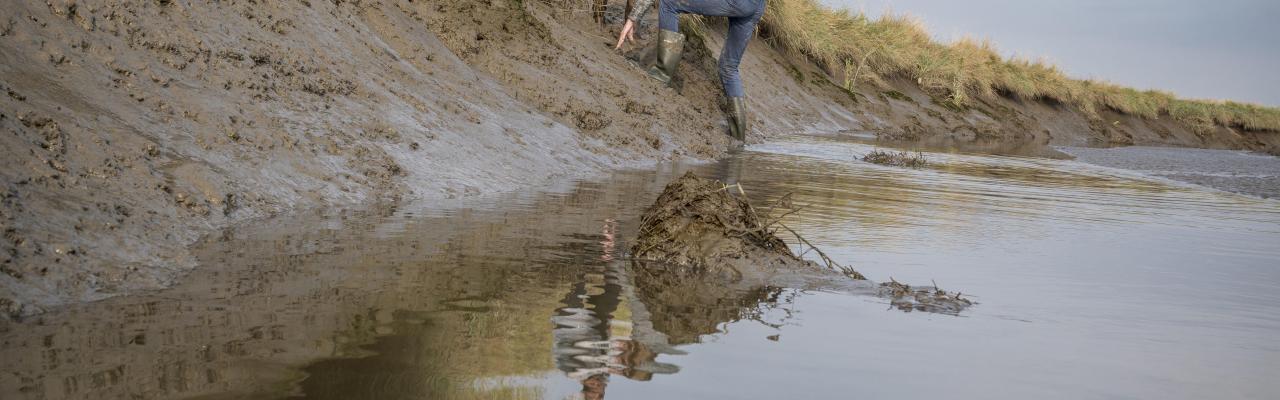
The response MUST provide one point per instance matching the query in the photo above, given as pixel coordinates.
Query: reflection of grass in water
(898, 159)
(494, 348)
(509, 339)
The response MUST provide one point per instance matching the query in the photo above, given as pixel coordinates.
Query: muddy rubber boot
(738, 118)
(670, 45)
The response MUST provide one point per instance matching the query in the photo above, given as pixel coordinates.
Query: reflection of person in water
(593, 335)
(590, 342)
(593, 387)
(609, 243)
(615, 320)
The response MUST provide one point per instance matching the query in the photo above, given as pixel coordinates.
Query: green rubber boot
(738, 118)
(670, 45)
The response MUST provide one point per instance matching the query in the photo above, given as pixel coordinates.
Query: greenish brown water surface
(1092, 283)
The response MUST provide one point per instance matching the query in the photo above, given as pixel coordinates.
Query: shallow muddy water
(1092, 283)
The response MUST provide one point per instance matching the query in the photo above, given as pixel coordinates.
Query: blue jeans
(743, 16)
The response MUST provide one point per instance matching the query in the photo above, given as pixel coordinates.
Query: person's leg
(743, 16)
(669, 10)
(671, 41)
(669, 15)
(735, 45)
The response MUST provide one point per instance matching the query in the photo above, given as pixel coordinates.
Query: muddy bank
(131, 129)
(134, 128)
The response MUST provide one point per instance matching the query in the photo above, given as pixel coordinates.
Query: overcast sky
(1225, 49)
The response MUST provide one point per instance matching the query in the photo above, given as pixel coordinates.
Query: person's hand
(628, 33)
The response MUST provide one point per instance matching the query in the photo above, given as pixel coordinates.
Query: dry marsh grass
(871, 51)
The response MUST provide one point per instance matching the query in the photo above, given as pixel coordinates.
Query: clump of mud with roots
(703, 232)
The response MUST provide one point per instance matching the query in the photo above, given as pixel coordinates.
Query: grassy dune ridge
(870, 51)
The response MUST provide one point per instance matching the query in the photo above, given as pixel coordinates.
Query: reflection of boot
(738, 118)
(670, 45)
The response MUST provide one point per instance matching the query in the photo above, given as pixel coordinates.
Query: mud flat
(1230, 170)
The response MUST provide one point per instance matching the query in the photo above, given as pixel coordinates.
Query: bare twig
(786, 198)
(832, 264)
(792, 211)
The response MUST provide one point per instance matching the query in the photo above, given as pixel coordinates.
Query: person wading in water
(743, 16)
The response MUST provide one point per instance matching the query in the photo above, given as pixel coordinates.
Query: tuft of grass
(898, 159)
(863, 50)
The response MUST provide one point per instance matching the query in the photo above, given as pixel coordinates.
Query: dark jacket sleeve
(640, 9)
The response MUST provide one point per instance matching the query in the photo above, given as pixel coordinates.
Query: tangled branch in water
(898, 159)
